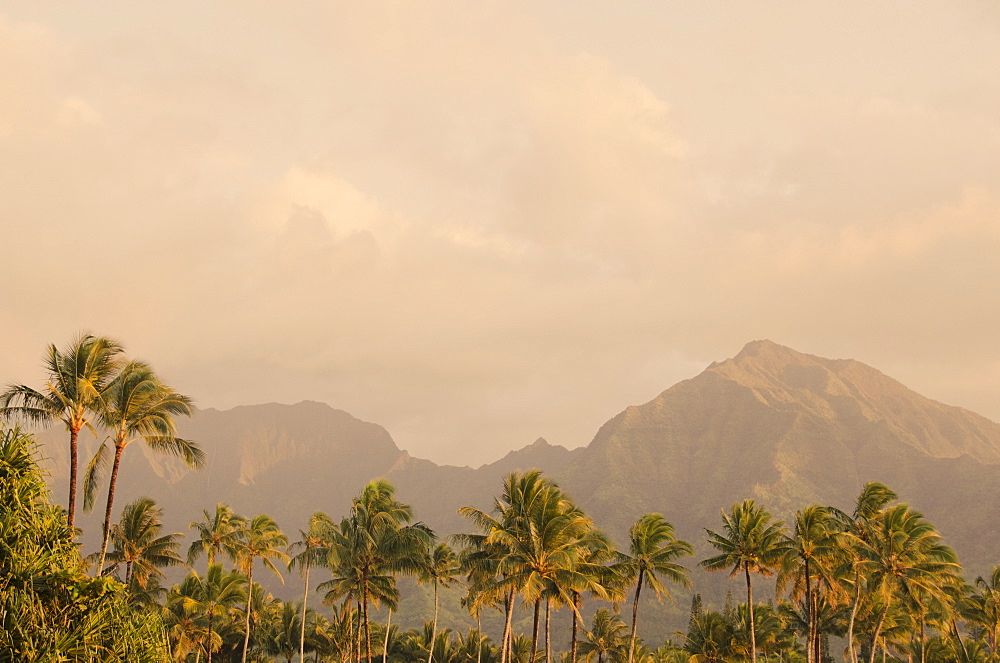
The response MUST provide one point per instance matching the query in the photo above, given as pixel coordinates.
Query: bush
(50, 609)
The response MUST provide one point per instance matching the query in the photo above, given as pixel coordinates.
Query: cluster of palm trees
(225, 615)
(537, 545)
(92, 384)
(879, 577)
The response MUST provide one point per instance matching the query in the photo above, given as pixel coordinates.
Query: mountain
(782, 427)
(790, 429)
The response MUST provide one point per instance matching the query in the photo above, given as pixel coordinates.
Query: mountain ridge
(770, 423)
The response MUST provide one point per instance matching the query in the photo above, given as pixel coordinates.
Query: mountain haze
(782, 427)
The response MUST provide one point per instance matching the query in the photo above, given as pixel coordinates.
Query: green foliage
(50, 609)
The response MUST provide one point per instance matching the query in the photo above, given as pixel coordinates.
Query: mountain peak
(769, 351)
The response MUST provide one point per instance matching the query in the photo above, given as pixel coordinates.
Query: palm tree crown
(136, 542)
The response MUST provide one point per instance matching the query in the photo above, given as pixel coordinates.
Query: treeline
(879, 578)
(876, 579)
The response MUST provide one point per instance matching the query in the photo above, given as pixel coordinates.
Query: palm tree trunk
(818, 655)
(753, 631)
(128, 572)
(385, 645)
(576, 618)
(208, 646)
(635, 616)
(434, 628)
(548, 633)
(479, 641)
(923, 640)
(74, 453)
(368, 632)
(810, 645)
(246, 635)
(509, 603)
(107, 511)
(854, 612)
(302, 633)
(958, 634)
(356, 643)
(818, 646)
(878, 631)
(534, 631)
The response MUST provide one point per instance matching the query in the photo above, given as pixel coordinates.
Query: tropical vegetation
(875, 581)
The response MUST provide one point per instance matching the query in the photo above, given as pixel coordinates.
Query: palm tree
(811, 552)
(855, 530)
(75, 382)
(260, 539)
(137, 405)
(752, 543)
(211, 598)
(137, 544)
(218, 534)
(314, 544)
(605, 638)
(441, 569)
(709, 638)
(983, 608)
(653, 547)
(282, 631)
(905, 557)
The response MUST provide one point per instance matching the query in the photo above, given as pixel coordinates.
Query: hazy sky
(477, 223)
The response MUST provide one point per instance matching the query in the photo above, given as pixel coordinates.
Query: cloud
(481, 223)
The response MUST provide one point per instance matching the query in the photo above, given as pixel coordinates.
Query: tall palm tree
(137, 405)
(441, 569)
(217, 534)
(855, 531)
(810, 560)
(314, 545)
(261, 539)
(653, 547)
(752, 543)
(136, 542)
(75, 382)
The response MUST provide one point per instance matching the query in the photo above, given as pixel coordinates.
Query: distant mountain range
(785, 428)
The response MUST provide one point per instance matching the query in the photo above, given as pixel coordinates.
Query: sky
(477, 223)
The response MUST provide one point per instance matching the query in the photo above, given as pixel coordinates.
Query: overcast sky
(478, 223)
